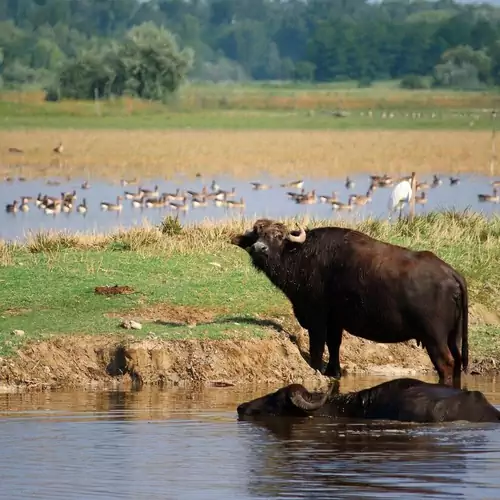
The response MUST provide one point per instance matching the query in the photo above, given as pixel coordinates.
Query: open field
(194, 285)
(260, 107)
(113, 154)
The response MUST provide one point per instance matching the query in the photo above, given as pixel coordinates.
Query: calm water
(180, 444)
(270, 203)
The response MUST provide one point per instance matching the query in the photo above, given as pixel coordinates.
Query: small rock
(18, 333)
(131, 325)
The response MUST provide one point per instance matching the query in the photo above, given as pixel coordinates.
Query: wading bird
(400, 195)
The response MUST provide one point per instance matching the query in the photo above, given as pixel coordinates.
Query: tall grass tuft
(6, 251)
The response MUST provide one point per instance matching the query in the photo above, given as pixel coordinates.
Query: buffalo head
(293, 401)
(267, 236)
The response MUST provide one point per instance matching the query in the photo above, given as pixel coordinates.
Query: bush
(413, 82)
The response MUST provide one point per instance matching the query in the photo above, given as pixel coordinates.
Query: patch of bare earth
(171, 314)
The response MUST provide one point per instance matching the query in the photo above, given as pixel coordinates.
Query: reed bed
(113, 154)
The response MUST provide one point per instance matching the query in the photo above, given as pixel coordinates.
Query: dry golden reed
(116, 154)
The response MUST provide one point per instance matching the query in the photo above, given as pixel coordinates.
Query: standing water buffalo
(341, 279)
(403, 399)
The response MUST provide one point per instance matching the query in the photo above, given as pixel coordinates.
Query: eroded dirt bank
(90, 361)
(281, 357)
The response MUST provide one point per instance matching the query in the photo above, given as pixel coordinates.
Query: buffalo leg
(317, 339)
(333, 341)
(442, 360)
(457, 358)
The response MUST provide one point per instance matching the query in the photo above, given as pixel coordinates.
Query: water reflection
(268, 202)
(187, 443)
(364, 459)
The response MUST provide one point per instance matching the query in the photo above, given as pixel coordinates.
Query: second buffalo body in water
(404, 399)
(341, 279)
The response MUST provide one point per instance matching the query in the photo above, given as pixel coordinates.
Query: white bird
(400, 195)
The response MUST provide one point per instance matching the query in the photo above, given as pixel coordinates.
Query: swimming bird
(133, 196)
(139, 203)
(85, 185)
(422, 199)
(493, 198)
(155, 202)
(151, 193)
(495, 183)
(69, 196)
(180, 206)
(199, 202)
(126, 182)
(299, 184)
(24, 205)
(113, 206)
(12, 208)
(82, 208)
(221, 194)
(338, 205)
(307, 199)
(324, 198)
(454, 181)
(259, 186)
(349, 183)
(293, 196)
(196, 194)
(360, 199)
(214, 186)
(236, 204)
(436, 181)
(422, 185)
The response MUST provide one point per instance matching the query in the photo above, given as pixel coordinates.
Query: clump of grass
(171, 226)
(6, 250)
(55, 241)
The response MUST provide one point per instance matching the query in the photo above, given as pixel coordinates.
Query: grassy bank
(260, 107)
(195, 285)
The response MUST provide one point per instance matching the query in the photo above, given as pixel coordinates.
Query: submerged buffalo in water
(404, 399)
(340, 279)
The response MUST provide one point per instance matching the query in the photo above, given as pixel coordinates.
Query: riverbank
(206, 316)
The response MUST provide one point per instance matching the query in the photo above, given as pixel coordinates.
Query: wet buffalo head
(267, 236)
(292, 400)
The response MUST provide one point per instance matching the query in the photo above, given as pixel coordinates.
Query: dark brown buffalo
(404, 399)
(340, 279)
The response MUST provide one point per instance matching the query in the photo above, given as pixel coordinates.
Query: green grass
(260, 106)
(47, 286)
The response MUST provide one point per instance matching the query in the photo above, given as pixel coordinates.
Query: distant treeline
(41, 41)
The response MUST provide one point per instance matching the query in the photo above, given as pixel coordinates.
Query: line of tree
(147, 47)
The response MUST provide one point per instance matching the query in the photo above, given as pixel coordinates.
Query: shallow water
(269, 203)
(178, 443)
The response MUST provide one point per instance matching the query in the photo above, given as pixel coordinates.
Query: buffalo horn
(298, 239)
(298, 400)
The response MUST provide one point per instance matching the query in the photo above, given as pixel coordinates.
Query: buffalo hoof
(333, 373)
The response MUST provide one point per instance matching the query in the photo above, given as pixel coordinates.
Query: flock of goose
(182, 200)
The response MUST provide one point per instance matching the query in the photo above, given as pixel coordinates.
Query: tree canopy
(147, 47)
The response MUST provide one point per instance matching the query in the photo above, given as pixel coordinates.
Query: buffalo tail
(463, 319)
